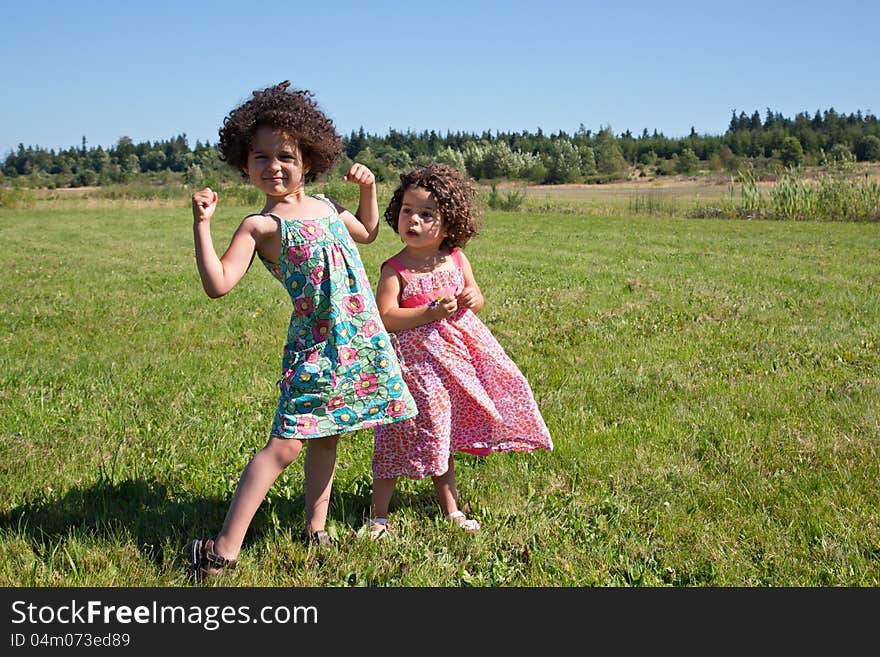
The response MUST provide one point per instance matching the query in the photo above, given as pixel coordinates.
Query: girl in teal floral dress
(339, 371)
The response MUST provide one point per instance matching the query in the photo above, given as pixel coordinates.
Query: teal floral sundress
(339, 371)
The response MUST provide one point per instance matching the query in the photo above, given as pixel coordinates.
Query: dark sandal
(204, 562)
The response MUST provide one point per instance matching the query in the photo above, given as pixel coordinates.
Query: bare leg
(444, 487)
(255, 482)
(383, 489)
(319, 468)
(447, 496)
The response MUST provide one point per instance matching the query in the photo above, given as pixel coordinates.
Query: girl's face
(419, 223)
(275, 164)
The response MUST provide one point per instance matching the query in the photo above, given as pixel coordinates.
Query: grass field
(712, 388)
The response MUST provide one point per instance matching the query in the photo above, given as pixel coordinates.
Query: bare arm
(471, 296)
(364, 224)
(396, 318)
(220, 275)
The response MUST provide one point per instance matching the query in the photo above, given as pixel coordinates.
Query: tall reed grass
(653, 205)
(834, 196)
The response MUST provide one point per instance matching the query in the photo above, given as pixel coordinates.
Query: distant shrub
(687, 163)
(194, 176)
(510, 201)
(15, 197)
(839, 154)
(344, 193)
(792, 154)
(536, 172)
(241, 194)
(667, 167)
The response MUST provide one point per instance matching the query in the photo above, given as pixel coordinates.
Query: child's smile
(275, 163)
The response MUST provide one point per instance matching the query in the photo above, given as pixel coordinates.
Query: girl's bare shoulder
(260, 223)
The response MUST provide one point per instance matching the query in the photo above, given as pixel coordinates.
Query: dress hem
(341, 430)
(482, 454)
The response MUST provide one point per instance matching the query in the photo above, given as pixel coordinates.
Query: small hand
(443, 307)
(204, 202)
(360, 174)
(467, 298)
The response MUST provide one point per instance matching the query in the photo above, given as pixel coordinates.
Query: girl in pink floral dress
(471, 396)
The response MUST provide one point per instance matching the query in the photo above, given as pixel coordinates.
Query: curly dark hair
(292, 112)
(455, 196)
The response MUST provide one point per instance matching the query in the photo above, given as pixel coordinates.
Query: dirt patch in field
(665, 186)
(66, 192)
(703, 185)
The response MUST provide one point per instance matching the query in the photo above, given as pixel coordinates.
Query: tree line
(582, 156)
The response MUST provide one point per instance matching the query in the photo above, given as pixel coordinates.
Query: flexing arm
(364, 224)
(470, 296)
(220, 275)
(396, 318)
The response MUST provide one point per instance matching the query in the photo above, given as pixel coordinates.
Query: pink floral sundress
(471, 397)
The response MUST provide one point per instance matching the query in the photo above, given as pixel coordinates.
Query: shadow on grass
(143, 510)
(147, 513)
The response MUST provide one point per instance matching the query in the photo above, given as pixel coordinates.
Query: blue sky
(157, 69)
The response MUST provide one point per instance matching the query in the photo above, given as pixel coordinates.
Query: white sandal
(381, 531)
(468, 524)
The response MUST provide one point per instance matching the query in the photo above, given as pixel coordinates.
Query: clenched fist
(360, 174)
(204, 202)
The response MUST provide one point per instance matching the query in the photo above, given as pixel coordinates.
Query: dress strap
(403, 271)
(455, 252)
(327, 200)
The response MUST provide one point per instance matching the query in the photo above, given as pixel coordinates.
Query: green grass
(712, 388)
